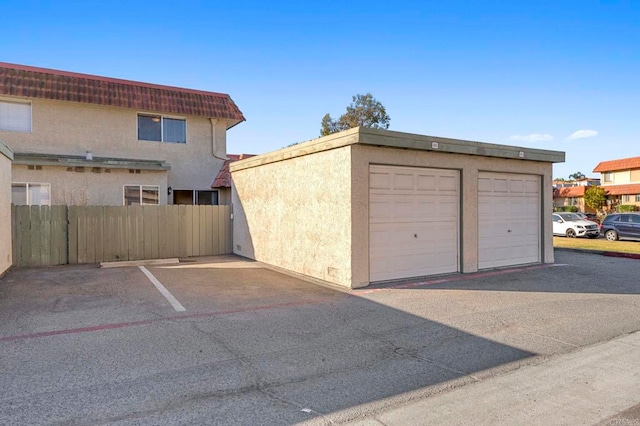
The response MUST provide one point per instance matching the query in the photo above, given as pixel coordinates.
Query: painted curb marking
(174, 302)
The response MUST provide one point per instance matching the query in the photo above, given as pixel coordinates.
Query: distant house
(86, 140)
(570, 196)
(557, 183)
(571, 193)
(621, 180)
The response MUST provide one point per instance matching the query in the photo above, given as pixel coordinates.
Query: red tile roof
(622, 164)
(630, 189)
(223, 179)
(32, 82)
(571, 191)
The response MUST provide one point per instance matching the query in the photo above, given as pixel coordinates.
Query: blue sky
(549, 74)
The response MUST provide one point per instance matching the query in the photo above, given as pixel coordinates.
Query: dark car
(621, 225)
(589, 216)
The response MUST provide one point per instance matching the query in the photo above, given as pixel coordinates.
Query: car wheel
(611, 235)
(593, 236)
(571, 233)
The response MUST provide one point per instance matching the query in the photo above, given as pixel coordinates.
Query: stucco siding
(69, 128)
(470, 166)
(296, 214)
(5, 208)
(88, 188)
(621, 178)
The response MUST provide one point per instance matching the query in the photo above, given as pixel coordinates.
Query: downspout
(213, 140)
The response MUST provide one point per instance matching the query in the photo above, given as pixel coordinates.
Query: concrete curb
(601, 252)
(148, 262)
(587, 386)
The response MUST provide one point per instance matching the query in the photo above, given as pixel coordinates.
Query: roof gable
(223, 178)
(42, 83)
(615, 165)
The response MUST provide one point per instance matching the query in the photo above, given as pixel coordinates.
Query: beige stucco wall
(89, 188)
(470, 167)
(70, 128)
(224, 196)
(5, 209)
(620, 178)
(296, 214)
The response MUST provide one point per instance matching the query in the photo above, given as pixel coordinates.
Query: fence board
(36, 228)
(45, 236)
(97, 221)
(147, 231)
(189, 230)
(121, 223)
(60, 230)
(181, 234)
(210, 230)
(163, 232)
(73, 234)
(24, 255)
(202, 230)
(215, 238)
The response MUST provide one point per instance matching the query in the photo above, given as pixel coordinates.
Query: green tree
(364, 111)
(595, 197)
(577, 176)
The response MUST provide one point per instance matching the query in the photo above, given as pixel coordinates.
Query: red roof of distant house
(630, 189)
(570, 191)
(223, 179)
(32, 82)
(622, 164)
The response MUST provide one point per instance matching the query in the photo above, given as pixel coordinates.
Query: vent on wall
(136, 171)
(78, 169)
(96, 169)
(34, 167)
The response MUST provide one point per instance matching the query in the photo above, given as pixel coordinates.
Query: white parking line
(174, 302)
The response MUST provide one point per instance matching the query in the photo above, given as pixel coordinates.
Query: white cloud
(581, 134)
(531, 138)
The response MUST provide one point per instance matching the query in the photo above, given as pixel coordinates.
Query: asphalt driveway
(83, 345)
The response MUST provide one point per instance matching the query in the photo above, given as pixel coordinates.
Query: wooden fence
(55, 235)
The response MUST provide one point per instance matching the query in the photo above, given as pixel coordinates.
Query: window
(141, 194)
(607, 176)
(637, 198)
(162, 129)
(626, 198)
(15, 116)
(31, 194)
(195, 197)
(206, 198)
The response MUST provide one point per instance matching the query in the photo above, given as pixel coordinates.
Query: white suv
(571, 225)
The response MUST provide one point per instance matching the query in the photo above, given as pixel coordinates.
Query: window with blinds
(15, 116)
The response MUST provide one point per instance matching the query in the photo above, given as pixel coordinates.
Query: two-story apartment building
(87, 140)
(621, 180)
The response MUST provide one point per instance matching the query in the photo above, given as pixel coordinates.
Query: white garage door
(413, 222)
(508, 219)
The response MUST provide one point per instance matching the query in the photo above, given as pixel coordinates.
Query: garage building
(369, 205)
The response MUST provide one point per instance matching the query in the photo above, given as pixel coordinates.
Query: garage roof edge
(400, 140)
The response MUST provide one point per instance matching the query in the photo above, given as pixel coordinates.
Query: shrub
(626, 208)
